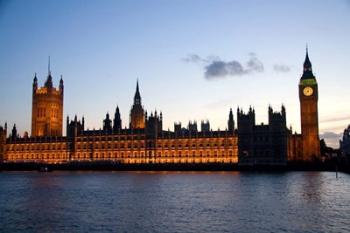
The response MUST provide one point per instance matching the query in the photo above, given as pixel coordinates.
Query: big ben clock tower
(308, 96)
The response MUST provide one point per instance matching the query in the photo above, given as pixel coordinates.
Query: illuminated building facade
(135, 146)
(145, 141)
(47, 108)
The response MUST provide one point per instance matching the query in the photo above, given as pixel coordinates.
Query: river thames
(174, 202)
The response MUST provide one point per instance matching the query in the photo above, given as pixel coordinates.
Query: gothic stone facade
(145, 141)
(47, 108)
(125, 146)
(262, 144)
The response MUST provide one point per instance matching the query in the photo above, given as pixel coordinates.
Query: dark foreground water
(174, 202)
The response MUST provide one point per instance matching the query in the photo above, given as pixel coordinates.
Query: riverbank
(114, 166)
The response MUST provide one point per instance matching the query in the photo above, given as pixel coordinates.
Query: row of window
(141, 145)
(158, 154)
(170, 160)
(37, 156)
(62, 146)
(123, 155)
(41, 112)
(37, 146)
(110, 138)
(53, 112)
(142, 137)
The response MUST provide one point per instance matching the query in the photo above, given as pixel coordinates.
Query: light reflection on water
(174, 202)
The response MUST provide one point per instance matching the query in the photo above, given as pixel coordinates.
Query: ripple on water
(174, 202)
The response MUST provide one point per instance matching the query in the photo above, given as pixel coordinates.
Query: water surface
(174, 202)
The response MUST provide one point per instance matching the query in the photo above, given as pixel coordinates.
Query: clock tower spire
(308, 96)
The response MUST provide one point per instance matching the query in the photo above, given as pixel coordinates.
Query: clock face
(308, 91)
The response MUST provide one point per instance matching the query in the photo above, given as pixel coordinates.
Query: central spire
(137, 114)
(48, 82)
(137, 97)
(48, 68)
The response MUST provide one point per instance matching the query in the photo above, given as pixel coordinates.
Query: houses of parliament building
(145, 141)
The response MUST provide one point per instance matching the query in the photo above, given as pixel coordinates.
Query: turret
(35, 83)
(48, 83)
(283, 111)
(277, 120)
(3, 132)
(67, 126)
(245, 131)
(117, 122)
(83, 122)
(154, 124)
(14, 133)
(192, 127)
(61, 87)
(75, 127)
(107, 124)
(205, 126)
(245, 122)
(231, 122)
(177, 127)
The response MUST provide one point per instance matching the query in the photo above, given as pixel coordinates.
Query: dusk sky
(194, 59)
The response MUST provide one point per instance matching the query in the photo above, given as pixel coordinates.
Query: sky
(194, 59)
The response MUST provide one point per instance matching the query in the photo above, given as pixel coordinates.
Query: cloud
(218, 69)
(330, 135)
(215, 67)
(194, 58)
(254, 64)
(331, 138)
(281, 68)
